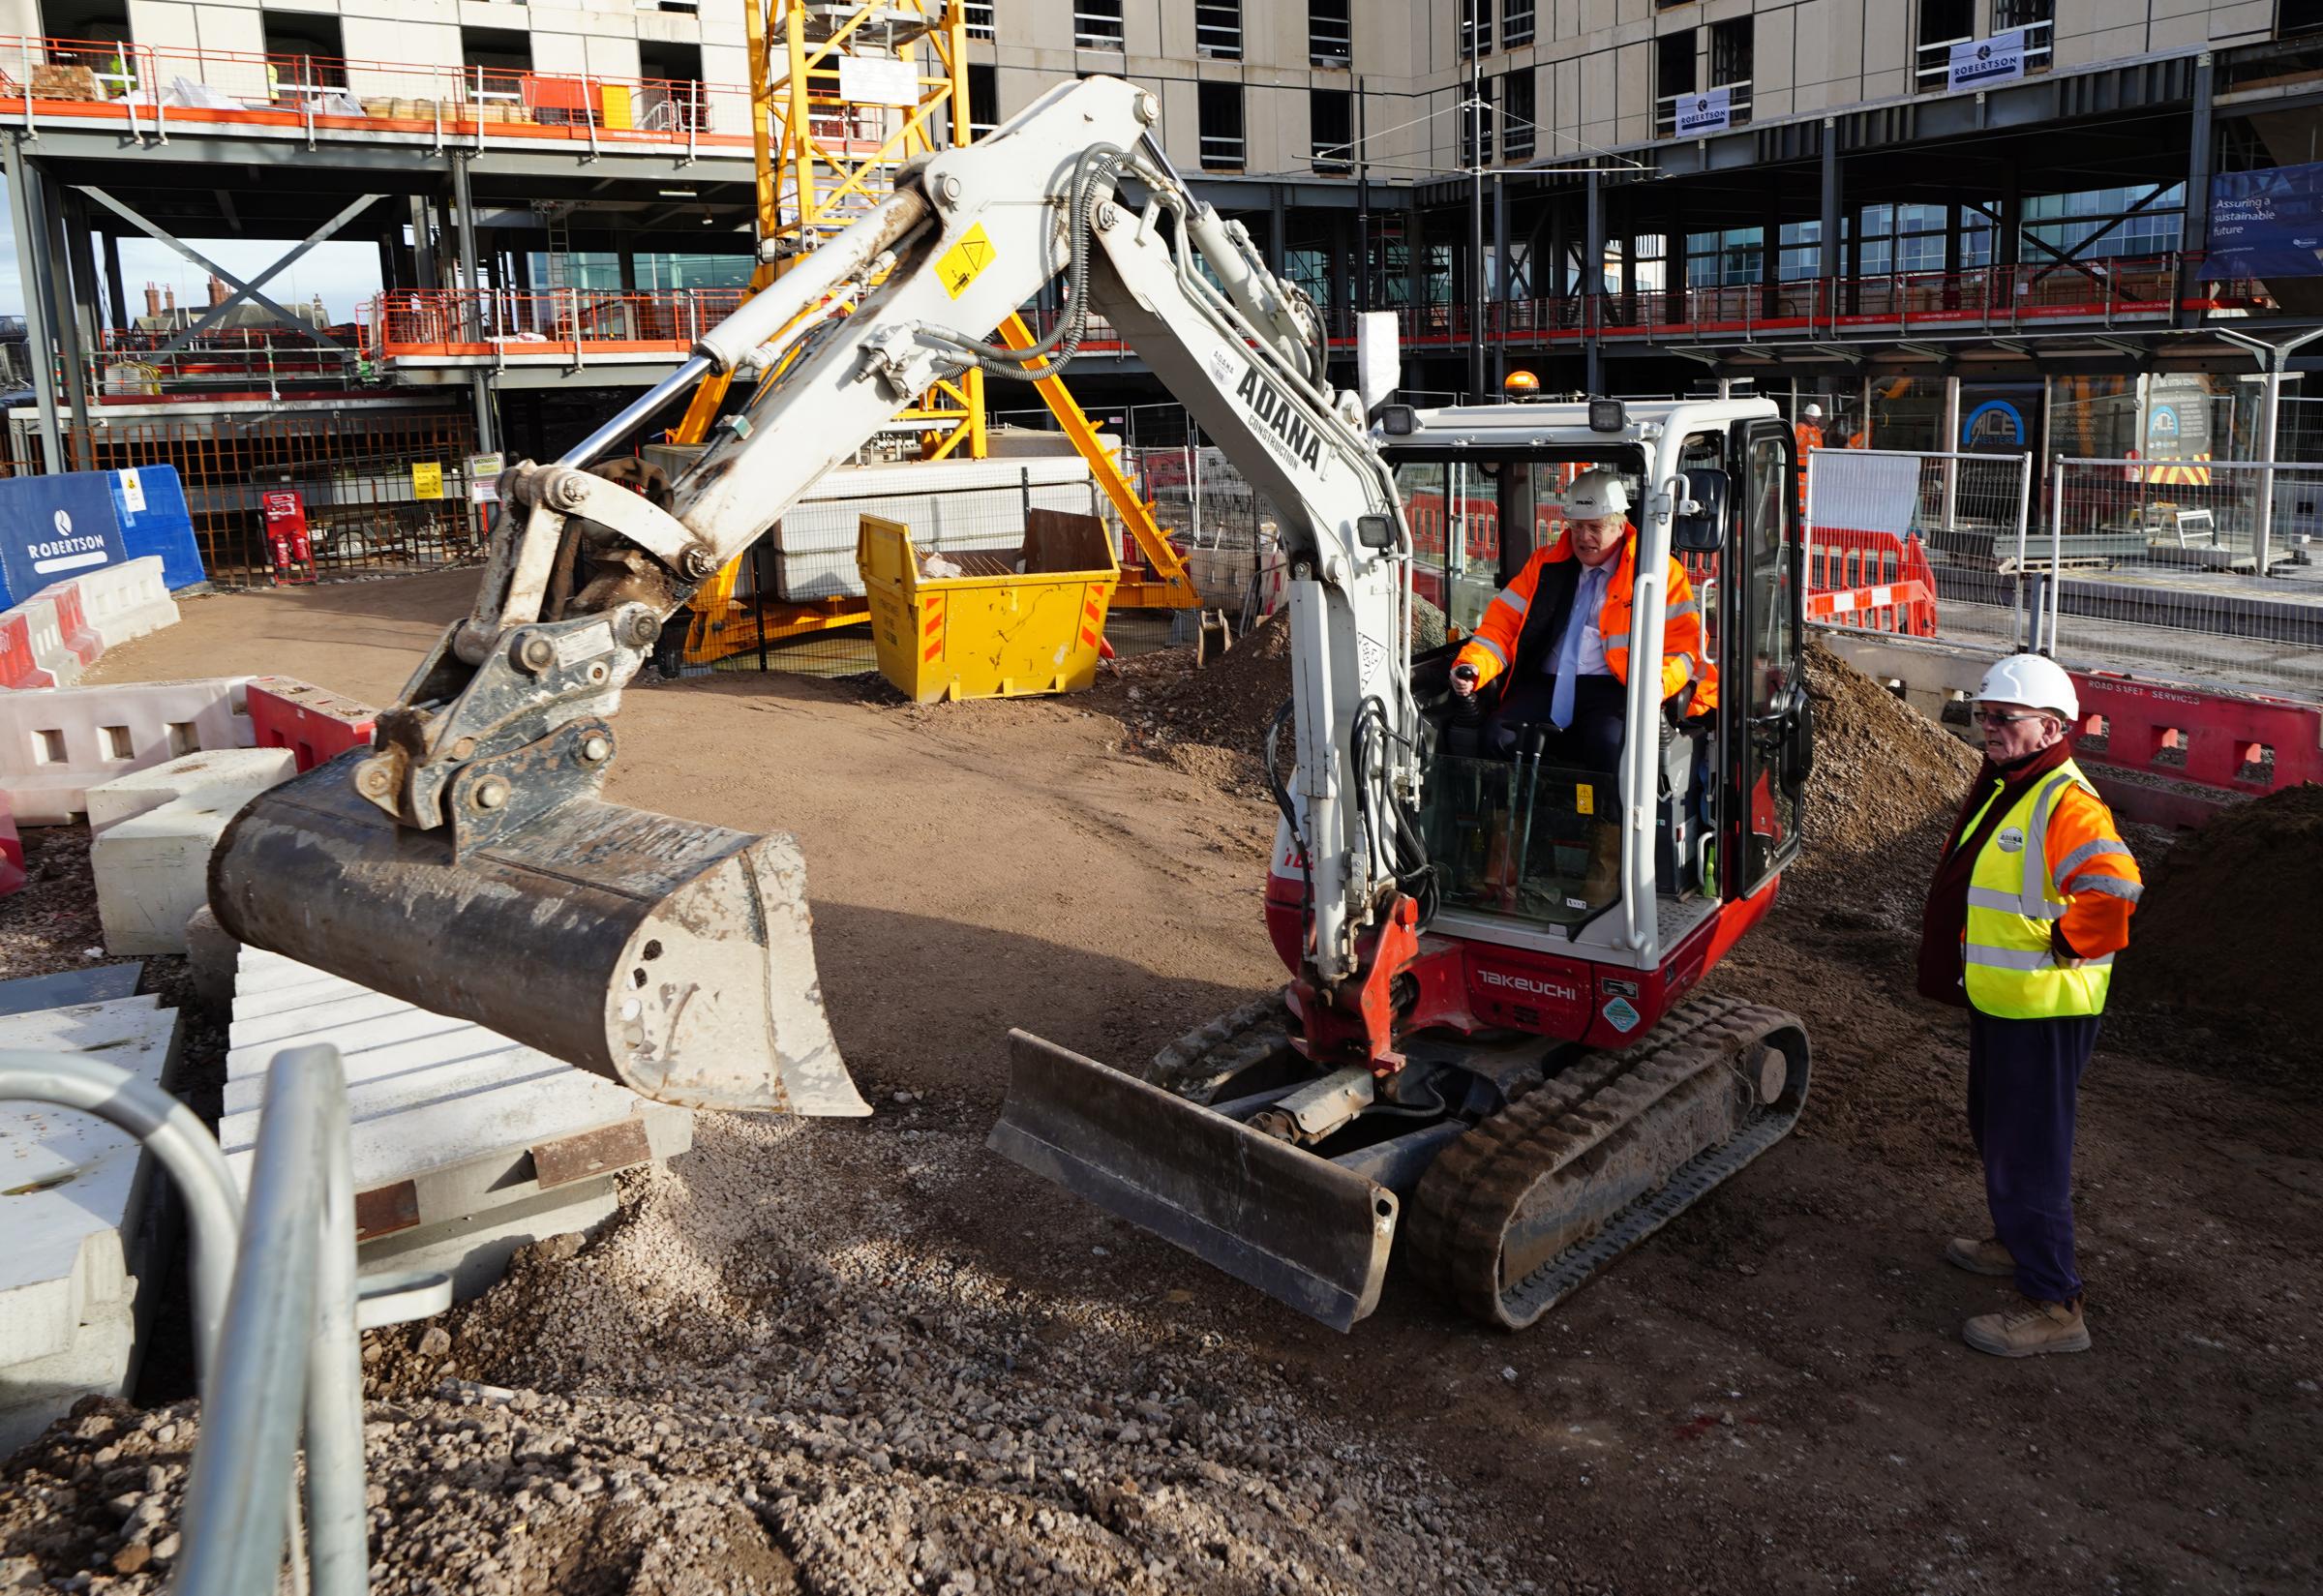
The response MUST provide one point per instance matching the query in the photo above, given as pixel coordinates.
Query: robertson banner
(2265, 224)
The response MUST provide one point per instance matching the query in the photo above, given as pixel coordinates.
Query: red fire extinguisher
(286, 515)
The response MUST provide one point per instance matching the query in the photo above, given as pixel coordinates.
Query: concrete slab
(152, 870)
(101, 1358)
(246, 770)
(56, 744)
(475, 1247)
(69, 1184)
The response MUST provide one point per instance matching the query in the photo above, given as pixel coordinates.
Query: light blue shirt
(1588, 603)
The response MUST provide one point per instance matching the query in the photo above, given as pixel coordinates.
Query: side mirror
(1700, 523)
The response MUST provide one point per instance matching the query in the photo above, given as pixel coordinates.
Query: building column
(36, 312)
(1832, 265)
(1415, 264)
(1592, 283)
(115, 290)
(63, 304)
(1277, 250)
(423, 246)
(2194, 238)
(1501, 279)
(471, 308)
(2006, 249)
(1338, 267)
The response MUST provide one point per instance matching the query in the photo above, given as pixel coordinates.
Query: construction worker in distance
(1559, 633)
(1808, 432)
(2031, 901)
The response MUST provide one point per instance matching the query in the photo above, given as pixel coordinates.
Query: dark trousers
(1593, 742)
(2023, 1078)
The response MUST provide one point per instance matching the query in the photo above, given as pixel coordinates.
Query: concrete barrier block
(317, 726)
(44, 637)
(55, 746)
(99, 1359)
(20, 669)
(474, 1248)
(73, 619)
(126, 601)
(245, 770)
(75, 1184)
(211, 954)
(152, 870)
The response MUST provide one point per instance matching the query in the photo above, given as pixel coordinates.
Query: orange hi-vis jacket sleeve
(2091, 866)
(1492, 649)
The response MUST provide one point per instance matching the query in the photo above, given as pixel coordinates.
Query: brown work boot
(1985, 1258)
(2028, 1330)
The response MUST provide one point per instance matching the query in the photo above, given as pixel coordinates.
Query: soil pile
(2232, 914)
(1887, 780)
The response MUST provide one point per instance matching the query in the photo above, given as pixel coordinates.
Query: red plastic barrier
(19, 667)
(315, 725)
(1841, 560)
(12, 849)
(2234, 742)
(73, 620)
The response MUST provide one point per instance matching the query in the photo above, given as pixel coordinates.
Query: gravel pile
(759, 1380)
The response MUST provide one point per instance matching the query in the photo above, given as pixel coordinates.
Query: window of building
(1651, 265)
(505, 55)
(1221, 111)
(671, 93)
(1672, 79)
(2038, 19)
(1476, 125)
(1475, 28)
(1097, 24)
(1331, 129)
(977, 14)
(306, 48)
(1217, 29)
(1731, 259)
(1517, 105)
(1900, 238)
(1801, 244)
(1731, 63)
(1330, 39)
(2298, 17)
(1516, 25)
(1943, 23)
(2143, 219)
(983, 98)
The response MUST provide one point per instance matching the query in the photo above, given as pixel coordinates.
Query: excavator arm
(467, 863)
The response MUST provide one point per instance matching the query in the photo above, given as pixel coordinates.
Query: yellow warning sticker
(965, 261)
(1584, 799)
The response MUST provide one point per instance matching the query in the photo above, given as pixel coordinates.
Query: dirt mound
(2231, 915)
(1886, 783)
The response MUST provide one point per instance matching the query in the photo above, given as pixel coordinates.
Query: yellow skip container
(973, 625)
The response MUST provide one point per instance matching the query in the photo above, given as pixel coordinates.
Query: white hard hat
(2035, 679)
(1814, 412)
(1595, 494)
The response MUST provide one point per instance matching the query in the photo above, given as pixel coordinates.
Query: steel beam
(1593, 280)
(48, 206)
(29, 253)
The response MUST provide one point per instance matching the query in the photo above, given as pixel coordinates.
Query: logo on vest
(2011, 840)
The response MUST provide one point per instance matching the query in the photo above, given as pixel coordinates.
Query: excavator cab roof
(1569, 423)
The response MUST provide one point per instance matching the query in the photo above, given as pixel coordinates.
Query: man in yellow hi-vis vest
(2031, 901)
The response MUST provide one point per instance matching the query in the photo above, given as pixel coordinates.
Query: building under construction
(2056, 255)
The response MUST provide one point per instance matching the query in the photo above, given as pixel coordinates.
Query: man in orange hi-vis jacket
(1559, 632)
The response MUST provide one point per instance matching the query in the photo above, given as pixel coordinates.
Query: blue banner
(2265, 224)
(53, 529)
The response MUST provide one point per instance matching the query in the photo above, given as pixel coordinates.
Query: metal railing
(277, 1308)
(1953, 523)
(566, 325)
(151, 90)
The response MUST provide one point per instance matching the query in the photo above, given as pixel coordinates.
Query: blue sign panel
(2265, 224)
(151, 504)
(53, 528)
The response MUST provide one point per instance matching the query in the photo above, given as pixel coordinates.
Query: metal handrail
(278, 1309)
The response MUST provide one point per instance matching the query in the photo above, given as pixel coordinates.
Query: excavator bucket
(1302, 1229)
(674, 958)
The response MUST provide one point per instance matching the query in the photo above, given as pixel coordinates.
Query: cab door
(1764, 710)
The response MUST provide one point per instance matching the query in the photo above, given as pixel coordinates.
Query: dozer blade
(674, 958)
(1297, 1226)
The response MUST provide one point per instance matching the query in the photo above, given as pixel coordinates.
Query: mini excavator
(1486, 1044)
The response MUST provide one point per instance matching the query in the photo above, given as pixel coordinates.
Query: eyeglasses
(1995, 717)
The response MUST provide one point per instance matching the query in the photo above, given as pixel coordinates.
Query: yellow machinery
(841, 97)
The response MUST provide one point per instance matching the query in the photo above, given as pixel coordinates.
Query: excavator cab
(1515, 1081)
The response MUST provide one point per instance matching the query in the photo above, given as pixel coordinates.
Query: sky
(343, 273)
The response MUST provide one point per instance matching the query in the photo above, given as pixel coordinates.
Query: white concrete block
(246, 770)
(56, 744)
(99, 1359)
(126, 601)
(72, 1183)
(152, 870)
(475, 1247)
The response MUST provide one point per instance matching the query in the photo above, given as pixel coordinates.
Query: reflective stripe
(1494, 648)
(2035, 886)
(2098, 849)
(1518, 603)
(2023, 958)
(2113, 886)
(1683, 607)
(1992, 897)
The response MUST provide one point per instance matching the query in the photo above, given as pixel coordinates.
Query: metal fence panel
(2200, 571)
(1955, 523)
